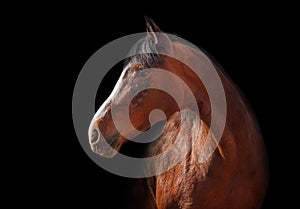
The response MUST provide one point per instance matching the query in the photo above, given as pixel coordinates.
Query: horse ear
(151, 28)
(156, 34)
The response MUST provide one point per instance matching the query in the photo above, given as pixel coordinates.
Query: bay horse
(235, 176)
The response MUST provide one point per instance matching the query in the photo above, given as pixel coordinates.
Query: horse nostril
(95, 136)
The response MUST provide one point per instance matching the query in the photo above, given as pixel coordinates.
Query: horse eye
(143, 72)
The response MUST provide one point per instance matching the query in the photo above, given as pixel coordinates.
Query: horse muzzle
(95, 136)
(104, 146)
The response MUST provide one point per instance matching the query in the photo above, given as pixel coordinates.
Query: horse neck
(241, 137)
(236, 106)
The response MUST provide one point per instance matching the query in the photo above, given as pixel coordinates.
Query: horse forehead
(126, 70)
(127, 67)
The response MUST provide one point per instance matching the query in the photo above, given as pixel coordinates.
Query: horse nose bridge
(104, 108)
(102, 123)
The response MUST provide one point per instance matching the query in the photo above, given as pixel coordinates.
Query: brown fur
(234, 177)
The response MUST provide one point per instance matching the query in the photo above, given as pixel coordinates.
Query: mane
(140, 53)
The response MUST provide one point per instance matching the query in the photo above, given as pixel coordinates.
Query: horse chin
(107, 147)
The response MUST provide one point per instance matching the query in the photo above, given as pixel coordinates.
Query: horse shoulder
(176, 187)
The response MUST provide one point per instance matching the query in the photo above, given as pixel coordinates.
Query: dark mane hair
(145, 53)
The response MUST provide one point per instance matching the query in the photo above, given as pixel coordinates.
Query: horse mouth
(106, 147)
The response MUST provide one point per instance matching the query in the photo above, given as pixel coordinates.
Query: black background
(242, 40)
